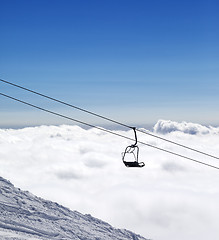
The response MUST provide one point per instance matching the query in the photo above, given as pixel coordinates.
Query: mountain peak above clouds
(24, 216)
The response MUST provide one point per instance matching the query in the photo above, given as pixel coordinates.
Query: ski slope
(24, 216)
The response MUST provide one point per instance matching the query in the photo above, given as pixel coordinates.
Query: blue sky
(134, 61)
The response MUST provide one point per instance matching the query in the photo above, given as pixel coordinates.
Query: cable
(178, 144)
(67, 104)
(108, 119)
(102, 129)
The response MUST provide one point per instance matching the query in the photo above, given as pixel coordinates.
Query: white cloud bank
(165, 126)
(170, 198)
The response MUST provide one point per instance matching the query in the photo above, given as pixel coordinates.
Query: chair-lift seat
(134, 150)
(134, 164)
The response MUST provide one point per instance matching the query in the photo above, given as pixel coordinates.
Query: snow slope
(25, 216)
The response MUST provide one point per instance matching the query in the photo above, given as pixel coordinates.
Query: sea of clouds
(170, 198)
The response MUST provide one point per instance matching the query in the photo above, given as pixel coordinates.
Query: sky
(169, 198)
(134, 61)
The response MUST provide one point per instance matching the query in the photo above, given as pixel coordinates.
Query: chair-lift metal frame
(131, 149)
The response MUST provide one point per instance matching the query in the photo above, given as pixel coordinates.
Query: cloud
(68, 174)
(94, 160)
(165, 126)
(170, 198)
(173, 167)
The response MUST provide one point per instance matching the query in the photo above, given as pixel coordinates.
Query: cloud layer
(170, 198)
(165, 126)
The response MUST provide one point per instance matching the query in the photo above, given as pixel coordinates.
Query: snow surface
(25, 216)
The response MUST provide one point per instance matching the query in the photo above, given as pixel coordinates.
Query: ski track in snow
(25, 216)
